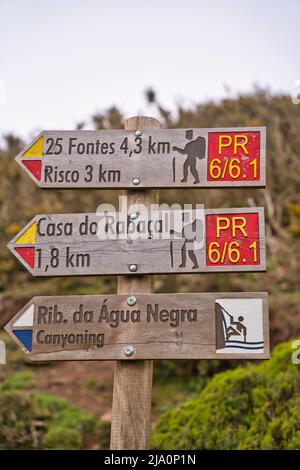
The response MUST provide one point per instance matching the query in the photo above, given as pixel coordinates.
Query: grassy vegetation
(32, 420)
(251, 407)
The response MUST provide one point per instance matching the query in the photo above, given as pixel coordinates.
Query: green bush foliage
(21, 380)
(60, 438)
(31, 420)
(251, 407)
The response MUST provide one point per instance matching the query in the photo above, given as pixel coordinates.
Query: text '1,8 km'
(108, 243)
(149, 158)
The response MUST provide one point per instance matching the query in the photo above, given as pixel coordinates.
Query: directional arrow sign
(164, 242)
(222, 157)
(144, 326)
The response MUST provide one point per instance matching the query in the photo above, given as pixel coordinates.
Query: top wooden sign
(225, 157)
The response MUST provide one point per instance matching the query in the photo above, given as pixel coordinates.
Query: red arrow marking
(35, 167)
(27, 253)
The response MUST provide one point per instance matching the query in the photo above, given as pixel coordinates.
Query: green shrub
(251, 407)
(32, 420)
(60, 438)
(16, 417)
(20, 380)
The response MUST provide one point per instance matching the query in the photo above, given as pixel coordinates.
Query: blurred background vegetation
(79, 425)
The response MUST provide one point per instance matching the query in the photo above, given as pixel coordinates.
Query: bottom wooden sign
(144, 326)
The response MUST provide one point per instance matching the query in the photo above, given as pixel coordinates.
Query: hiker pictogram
(191, 237)
(193, 149)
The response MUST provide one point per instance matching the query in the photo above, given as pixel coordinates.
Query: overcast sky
(62, 60)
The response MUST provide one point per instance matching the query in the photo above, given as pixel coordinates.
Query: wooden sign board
(221, 157)
(157, 326)
(71, 244)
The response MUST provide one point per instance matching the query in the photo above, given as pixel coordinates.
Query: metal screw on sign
(133, 216)
(128, 351)
(136, 181)
(133, 268)
(131, 300)
(138, 133)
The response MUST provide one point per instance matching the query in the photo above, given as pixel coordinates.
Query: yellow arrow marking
(28, 237)
(36, 150)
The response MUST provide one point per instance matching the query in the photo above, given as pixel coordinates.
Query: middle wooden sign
(170, 241)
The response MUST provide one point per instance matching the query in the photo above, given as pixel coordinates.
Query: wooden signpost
(147, 158)
(87, 244)
(136, 326)
(143, 326)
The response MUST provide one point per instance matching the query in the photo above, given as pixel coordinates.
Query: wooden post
(131, 408)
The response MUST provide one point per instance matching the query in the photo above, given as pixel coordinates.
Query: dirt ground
(87, 385)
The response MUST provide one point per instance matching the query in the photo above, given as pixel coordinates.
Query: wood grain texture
(80, 253)
(132, 394)
(158, 326)
(99, 159)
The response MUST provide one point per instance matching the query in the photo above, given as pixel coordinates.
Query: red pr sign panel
(234, 156)
(232, 239)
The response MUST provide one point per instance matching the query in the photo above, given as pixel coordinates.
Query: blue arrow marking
(25, 336)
